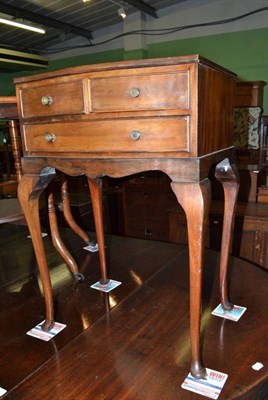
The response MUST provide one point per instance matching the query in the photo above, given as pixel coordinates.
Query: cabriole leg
(228, 176)
(95, 186)
(29, 190)
(195, 200)
(68, 213)
(57, 241)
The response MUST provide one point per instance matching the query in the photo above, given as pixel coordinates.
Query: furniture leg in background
(55, 235)
(16, 147)
(65, 203)
(57, 241)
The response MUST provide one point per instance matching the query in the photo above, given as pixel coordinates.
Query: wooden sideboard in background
(144, 206)
(150, 212)
(249, 93)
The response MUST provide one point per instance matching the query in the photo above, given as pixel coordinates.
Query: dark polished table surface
(134, 343)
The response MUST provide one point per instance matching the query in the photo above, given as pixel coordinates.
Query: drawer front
(144, 92)
(58, 99)
(141, 201)
(148, 228)
(139, 135)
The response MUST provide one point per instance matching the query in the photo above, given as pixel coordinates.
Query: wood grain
(140, 349)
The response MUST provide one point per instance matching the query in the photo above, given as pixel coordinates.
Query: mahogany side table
(168, 114)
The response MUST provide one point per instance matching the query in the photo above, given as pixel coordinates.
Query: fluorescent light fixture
(21, 25)
(122, 12)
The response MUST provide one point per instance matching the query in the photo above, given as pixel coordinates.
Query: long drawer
(126, 135)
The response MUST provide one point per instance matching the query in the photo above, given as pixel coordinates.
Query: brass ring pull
(135, 134)
(46, 100)
(134, 92)
(50, 137)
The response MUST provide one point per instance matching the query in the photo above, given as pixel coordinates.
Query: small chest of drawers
(153, 109)
(172, 115)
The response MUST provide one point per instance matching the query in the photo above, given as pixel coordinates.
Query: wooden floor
(131, 344)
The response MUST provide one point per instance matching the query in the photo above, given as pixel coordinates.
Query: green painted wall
(245, 53)
(107, 56)
(6, 85)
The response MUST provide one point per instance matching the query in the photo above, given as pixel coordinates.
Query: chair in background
(262, 195)
(248, 143)
(10, 209)
(264, 141)
(249, 95)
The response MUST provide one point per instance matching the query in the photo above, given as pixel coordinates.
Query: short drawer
(140, 92)
(59, 99)
(139, 135)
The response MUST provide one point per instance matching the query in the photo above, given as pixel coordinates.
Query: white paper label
(43, 234)
(257, 366)
(93, 248)
(2, 391)
(234, 315)
(107, 287)
(38, 332)
(210, 387)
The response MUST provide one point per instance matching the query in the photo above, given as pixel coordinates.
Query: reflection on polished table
(140, 349)
(118, 119)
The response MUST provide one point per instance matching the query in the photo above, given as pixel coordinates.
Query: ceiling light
(122, 12)
(21, 25)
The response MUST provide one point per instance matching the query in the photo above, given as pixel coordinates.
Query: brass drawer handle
(134, 92)
(135, 134)
(50, 137)
(46, 100)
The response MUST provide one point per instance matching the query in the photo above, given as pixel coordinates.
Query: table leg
(95, 186)
(57, 241)
(29, 190)
(228, 176)
(195, 200)
(67, 211)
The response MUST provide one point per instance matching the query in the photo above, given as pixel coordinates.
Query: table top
(164, 61)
